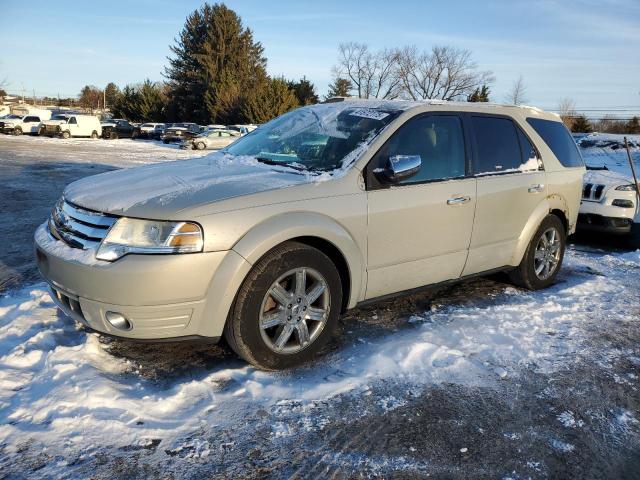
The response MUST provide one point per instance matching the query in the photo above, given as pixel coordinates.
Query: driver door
(420, 227)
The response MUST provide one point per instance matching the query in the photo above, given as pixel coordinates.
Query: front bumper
(597, 223)
(162, 296)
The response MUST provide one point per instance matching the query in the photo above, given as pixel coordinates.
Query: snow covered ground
(476, 380)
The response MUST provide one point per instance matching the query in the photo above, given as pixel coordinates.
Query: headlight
(8, 125)
(130, 235)
(627, 188)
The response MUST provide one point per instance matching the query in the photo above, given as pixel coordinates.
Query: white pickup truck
(24, 121)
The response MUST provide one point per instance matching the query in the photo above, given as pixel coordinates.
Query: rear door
(419, 229)
(511, 185)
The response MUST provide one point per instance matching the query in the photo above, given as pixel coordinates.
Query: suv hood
(606, 177)
(163, 191)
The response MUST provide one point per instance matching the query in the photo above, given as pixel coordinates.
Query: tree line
(217, 74)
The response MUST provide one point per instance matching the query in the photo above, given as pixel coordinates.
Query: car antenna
(633, 169)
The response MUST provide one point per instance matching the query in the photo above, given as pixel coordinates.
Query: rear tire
(165, 142)
(200, 146)
(275, 323)
(113, 135)
(65, 135)
(94, 134)
(543, 258)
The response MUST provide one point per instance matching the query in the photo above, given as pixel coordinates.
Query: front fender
(280, 228)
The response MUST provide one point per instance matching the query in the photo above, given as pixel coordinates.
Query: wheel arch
(315, 230)
(552, 205)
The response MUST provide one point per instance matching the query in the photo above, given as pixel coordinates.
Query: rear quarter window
(559, 141)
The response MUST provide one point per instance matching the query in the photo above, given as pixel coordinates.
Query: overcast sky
(587, 50)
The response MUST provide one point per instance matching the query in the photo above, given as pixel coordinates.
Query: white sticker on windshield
(369, 113)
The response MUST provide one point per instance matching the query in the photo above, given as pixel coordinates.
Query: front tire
(634, 236)
(65, 135)
(94, 135)
(543, 257)
(286, 309)
(200, 146)
(113, 136)
(17, 131)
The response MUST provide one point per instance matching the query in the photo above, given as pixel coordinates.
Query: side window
(439, 141)
(530, 159)
(498, 149)
(31, 119)
(73, 121)
(558, 139)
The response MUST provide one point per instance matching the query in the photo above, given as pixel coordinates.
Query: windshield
(317, 137)
(13, 116)
(59, 117)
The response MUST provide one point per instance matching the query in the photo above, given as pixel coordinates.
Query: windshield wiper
(269, 161)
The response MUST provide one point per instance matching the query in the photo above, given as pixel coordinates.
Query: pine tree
(479, 94)
(216, 61)
(305, 91)
(581, 124)
(339, 88)
(111, 92)
(272, 98)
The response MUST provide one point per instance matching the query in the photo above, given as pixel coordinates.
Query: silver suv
(320, 210)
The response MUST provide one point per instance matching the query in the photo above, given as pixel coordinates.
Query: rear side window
(498, 148)
(558, 139)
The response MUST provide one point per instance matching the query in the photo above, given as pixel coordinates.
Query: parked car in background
(214, 127)
(268, 250)
(179, 132)
(610, 204)
(148, 130)
(28, 123)
(212, 139)
(66, 126)
(118, 129)
(243, 129)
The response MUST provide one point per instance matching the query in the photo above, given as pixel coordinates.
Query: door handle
(458, 201)
(536, 188)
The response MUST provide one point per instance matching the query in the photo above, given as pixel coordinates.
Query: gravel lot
(479, 380)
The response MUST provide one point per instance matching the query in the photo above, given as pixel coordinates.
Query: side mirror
(401, 167)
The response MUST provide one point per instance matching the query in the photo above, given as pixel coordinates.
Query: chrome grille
(592, 191)
(79, 227)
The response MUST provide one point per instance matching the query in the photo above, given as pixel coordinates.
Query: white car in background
(212, 140)
(28, 123)
(609, 204)
(148, 130)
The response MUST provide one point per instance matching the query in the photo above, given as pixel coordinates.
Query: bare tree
(567, 111)
(372, 74)
(444, 72)
(516, 95)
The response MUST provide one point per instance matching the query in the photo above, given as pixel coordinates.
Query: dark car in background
(179, 132)
(118, 128)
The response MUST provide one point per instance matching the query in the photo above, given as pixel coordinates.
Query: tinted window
(439, 142)
(529, 155)
(72, 120)
(497, 144)
(558, 139)
(31, 119)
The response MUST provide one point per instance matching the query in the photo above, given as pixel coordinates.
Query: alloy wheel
(547, 254)
(294, 310)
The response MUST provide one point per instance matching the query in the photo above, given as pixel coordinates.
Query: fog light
(622, 203)
(118, 321)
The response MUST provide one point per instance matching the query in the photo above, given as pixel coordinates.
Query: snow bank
(60, 385)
